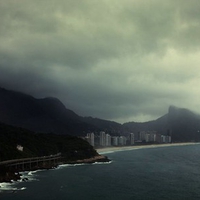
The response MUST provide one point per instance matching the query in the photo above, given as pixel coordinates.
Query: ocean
(159, 173)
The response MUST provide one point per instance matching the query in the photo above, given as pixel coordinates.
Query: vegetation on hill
(40, 144)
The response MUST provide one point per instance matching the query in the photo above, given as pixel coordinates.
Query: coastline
(98, 158)
(11, 175)
(101, 157)
(106, 150)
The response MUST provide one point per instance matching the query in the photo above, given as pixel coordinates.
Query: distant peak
(172, 107)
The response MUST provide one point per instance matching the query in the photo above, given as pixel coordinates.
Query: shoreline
(16, 176)
(98, 158)
(105, 150)
(11, 175)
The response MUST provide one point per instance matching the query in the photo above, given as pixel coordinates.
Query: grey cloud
(124, 61)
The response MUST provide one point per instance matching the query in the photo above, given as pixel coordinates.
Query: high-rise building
(147, 137)
(152, 137)
(115, 140)
(163, 138)
(108, 140)
(142, 135)
(122, 140)
(168, 139)
(158, 138)
(102, 139)
(132, 139)
(90, 138)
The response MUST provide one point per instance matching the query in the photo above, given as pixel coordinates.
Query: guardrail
(32, 163)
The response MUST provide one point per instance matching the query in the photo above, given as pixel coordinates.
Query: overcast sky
(121, 60)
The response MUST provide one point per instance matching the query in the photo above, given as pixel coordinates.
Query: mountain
(41, 115)
(182, 124)
(160, 125)
(44, 115)
(112, 127)
(50, 115)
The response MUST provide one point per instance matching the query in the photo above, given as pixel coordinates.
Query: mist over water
(170, 173)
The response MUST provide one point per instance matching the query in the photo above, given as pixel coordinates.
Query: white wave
(70, 165)
(102, 163)
(33, 172)
(62, 166)
(7, 187)
(14, 185)
(28, 176)
(4, 185)
(79, 164)
(30, 173)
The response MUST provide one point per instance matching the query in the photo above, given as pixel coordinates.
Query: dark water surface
(171, 173)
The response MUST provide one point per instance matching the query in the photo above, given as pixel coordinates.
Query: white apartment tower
(90, 138)
(122, 140)
(115, 140)
(131, 138)
(102, 139)
(108, 140)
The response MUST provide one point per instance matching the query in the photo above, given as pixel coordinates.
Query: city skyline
(103, 139)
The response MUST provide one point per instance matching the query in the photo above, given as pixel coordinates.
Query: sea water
(171, 173)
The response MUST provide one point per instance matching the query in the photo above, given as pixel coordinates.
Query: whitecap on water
(102, 163)
(9, 187)
(29, 175)
(70, 165)
(25, 176)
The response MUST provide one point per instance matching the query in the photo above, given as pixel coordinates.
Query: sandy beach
(127, 148)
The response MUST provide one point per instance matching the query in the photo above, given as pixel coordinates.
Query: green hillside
(40, 144)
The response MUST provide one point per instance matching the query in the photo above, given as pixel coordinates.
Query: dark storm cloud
(116, 60)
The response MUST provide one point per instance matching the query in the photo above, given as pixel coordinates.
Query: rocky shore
(99, 158)
(9, 176)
